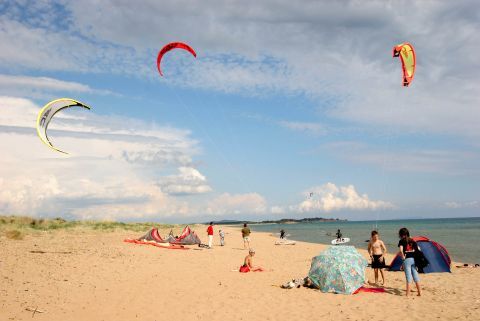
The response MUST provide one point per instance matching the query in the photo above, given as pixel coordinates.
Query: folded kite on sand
(161, 245)
(152, 237)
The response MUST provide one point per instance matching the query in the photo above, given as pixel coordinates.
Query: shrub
(14, 235)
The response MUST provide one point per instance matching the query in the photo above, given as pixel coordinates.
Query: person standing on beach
(377, 251)
(210, 235)
(339, 235)
(407, 248)
(221, 233)
(246, 236)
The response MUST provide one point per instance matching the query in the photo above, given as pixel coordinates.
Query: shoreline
(364, 252)
(460, 245)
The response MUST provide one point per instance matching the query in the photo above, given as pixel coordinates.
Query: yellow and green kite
(46, 114)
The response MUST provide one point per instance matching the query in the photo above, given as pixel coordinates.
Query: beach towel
(370, 290)
(244, 269)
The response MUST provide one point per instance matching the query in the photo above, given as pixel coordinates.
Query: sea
(460, 236)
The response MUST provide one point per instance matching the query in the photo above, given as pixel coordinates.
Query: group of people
(408, 251)
(248, 261)
(221, 234)
(245, 235)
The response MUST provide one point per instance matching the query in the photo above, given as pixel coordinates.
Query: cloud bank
(329, 197)
(336, 53)
(125, 169)
(101, 179)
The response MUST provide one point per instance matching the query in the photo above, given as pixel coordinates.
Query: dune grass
(14, 234)
(15, 227)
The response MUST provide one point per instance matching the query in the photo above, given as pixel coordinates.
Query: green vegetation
(15, 227)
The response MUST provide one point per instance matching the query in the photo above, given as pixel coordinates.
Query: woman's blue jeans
(410, 270)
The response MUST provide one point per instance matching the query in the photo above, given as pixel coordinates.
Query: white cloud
(97, 181)
(43, 83)
(31, 47)
(275, 46)
(329, 197)
(36, 86)
(121, 169)
(85, 133)
(132, 198)
(118, 169)
(188, 181)
(236, 204)
(18, 112)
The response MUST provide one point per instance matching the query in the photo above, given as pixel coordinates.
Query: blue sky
(282, 100)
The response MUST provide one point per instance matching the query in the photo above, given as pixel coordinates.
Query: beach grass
(14, 234)
(16, 227)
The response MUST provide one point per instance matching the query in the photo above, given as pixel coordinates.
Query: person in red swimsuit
(248, 263)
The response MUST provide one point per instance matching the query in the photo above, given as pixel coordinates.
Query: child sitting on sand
(377, 250)
(248, 264)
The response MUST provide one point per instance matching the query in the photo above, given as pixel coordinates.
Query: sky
(289, 110)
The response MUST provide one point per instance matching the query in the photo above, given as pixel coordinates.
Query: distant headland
(281, 221)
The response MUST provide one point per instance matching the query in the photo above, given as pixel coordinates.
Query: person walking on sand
(221, 233)
(377, 251)
(407, 248)
(246, 236)
(210, 235)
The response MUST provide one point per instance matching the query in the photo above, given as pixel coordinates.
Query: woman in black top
(408, 247)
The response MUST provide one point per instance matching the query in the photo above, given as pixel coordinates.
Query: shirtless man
(377, 251)
(248, 263)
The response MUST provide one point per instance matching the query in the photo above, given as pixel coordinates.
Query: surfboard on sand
(285, 242)
(342, 240)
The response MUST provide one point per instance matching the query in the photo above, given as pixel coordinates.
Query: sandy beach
(83, 274)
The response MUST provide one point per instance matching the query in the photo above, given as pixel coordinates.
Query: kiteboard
(342, 240)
